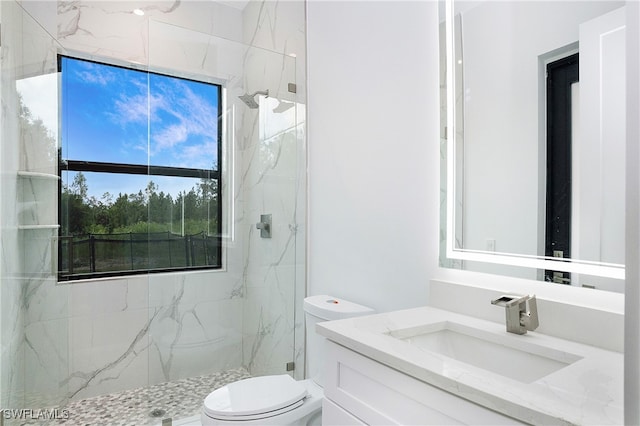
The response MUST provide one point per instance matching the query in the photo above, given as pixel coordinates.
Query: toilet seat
(255, 398)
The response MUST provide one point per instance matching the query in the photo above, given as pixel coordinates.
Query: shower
(250, 101)
(162, 330)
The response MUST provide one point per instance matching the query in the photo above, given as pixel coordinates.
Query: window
(140, 163)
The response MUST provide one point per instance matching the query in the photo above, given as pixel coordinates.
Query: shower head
(250, 101)
(283, 106)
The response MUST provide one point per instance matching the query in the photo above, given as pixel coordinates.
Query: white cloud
(195, 116)
(170, 136)
(131, 109)
(200, 156)
(95, 74)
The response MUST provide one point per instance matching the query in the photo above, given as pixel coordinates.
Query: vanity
(432, 366)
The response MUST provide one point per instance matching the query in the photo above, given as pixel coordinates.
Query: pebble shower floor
(145, 406)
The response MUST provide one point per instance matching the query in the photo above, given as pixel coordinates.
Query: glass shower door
(240, 319)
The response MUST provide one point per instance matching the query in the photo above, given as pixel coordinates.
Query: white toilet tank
(325, 308)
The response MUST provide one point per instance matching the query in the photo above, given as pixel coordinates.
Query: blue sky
(118, 115)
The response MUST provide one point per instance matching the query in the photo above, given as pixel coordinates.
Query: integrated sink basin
(510, 356)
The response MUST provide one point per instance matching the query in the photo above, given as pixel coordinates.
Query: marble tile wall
(88, 338)
(12, 348)
(28, 220)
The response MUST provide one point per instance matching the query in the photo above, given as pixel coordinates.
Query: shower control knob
(264, 226)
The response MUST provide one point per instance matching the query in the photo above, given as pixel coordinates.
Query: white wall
(373, 150)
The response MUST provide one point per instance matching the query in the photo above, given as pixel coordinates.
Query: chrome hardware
(264, 225)
(519, 319)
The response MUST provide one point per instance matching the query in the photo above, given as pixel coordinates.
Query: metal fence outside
(96, 253)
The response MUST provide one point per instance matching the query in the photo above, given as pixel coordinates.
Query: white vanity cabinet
(431, 366)
(359, 390)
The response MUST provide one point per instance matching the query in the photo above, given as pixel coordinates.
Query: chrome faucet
(519, 318)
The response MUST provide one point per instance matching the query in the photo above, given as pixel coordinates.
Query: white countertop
(588, 391)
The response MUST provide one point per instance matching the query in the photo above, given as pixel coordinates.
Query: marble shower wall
(12, 319)
(114, 334)
(34, 328)
(259, 154)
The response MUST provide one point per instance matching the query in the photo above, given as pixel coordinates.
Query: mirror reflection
(539, 135)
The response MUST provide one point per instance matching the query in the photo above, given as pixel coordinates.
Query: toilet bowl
(279, 399)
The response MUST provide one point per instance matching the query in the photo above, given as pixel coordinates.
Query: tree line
(147, 211)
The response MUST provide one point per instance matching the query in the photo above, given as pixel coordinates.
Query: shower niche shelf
(37, 192)
(37, 227)
(37, 175)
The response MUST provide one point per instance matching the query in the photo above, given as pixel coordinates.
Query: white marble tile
(43, 299)
(206, 286)
(268, 328)
(12, 374)
(195, 54)
(107, 296)
(38, 250)
(91, 27)
(12, 317)
(190, 340)
(279, 26)
(47, 363)
(34, 197)
(137, 292)
(106, 28)
(190, 287)
(108, 353)
(188, 334)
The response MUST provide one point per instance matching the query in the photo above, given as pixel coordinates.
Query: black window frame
(67, 165)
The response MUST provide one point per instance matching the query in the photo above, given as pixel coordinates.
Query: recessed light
(138, 12)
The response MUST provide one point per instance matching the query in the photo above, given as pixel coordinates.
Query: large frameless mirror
(534, 135)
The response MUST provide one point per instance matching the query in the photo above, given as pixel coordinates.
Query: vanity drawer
(377, 394)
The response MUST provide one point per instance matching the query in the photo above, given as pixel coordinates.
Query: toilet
(279, 399)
